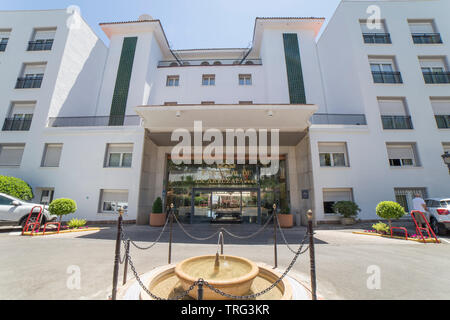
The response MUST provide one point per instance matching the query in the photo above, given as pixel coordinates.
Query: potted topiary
(390, 210)
(348, 210)
(285, 218)
(157, 217)
(62, 207)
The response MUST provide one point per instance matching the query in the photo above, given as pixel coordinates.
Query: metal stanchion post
(170, 232)
(125, 268)
(275, 236)
(200, 290)
(312, 259)
(117, 255)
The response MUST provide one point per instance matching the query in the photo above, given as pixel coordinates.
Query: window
(42, 39)
(402, 155)
(404, 196)
(11, 154)
(394, 113)
(173, 81)
(112, 200)
(384, 70)
(119, 155)
(208, 102)
(333, 154)
(4, 38)
(375, 33)
(245, 79)
(434, 70)
(19, 117)
(208, 80)
(4, 201)
(446, 146)
(331, 196)
(245, 102)
(52, 155)
(46, 196)
(441, 109)
(31, 76)
(424, 32)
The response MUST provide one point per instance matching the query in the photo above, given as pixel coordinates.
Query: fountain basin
(234, 276)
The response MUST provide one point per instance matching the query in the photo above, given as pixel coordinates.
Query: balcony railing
(29, 82)
(426, 38)
(436, 77)
(3, 46)
(443, 121)
(396, 122)
(40, 45)
(342, 119)
(208, 62)
(377, 38)
(14, 124)
(101, 121)
(387, 77)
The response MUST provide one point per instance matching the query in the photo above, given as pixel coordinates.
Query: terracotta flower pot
(286, 220)
(157, 219)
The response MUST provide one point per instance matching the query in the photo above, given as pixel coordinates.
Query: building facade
(362, 111)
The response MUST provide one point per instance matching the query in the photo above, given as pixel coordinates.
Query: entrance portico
(208, 193)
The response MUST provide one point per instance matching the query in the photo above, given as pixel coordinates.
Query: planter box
(157, 219)
(286, 220)
(348, 221)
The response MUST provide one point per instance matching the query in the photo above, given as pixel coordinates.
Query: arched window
(249, 62)
(217, 63)
(204, 63)
(186, 63)
(173, 64)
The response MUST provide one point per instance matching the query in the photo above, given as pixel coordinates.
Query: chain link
(190, 235)
(251, 235)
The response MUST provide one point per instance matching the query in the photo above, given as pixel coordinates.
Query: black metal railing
(100, 121)
(377, 37)
(443, 121)
(29, 82)
(426, 38)
(436, 77)
(387, 77)
(208, 62)
(14, 124)
(396, 122)
(40, 45)
(3, 46)
(343, 119)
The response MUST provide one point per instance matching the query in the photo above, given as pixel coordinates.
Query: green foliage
(157, 206)
(16, 187)
(381, 227)
(390, 210)
(76, 223)
(61, 207)
(347, 209)
(285, 211)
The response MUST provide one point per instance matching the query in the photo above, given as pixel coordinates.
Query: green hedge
(16, 187)
(157, 206)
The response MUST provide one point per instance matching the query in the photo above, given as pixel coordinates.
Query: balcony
(40, 45)
(209, 62)
(426, 38)
(342, 119)
(443, 121)
(377, 38)
(3, 46)
(14, 124)
(387, 77)
(101, 121)
(396, 122)
(436, 77)
(29, 82)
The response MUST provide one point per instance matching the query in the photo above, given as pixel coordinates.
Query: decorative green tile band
(294, 69)
(120, 97)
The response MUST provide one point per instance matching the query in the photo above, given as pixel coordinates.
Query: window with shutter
(113, 200)
(11, 154)
(333, 154)
(52, 155)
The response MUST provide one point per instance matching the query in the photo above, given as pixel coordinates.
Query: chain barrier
(155, 242)
(286, 242)
(255, 295)
(190, 235)
(251, 235)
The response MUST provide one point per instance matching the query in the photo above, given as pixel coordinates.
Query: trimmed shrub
(390, 210)
(16, 187)
(62, 207)
(76, 223)
(348, 209)
(381, 227)
(157, 206)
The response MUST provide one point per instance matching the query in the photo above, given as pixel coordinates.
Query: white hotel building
(363, 114)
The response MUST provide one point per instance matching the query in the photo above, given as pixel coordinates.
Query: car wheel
(437, 227)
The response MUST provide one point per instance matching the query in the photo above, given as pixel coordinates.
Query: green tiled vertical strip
(119, 101)
(294, 69)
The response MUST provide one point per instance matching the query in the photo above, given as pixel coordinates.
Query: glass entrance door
(226, 206)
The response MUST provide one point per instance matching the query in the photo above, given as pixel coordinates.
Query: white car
(439, 209)
(17, 211)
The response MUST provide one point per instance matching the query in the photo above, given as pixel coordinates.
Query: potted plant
(390, 210)
(348, 210)
(157, 217)
(285, 218)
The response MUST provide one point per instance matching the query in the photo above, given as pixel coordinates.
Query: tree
(16, 187)
(390, 210)
(157, 206)
(62, 207)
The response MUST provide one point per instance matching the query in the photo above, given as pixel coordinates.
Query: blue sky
(189, 24)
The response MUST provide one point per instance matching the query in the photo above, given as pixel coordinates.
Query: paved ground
(43, 267)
